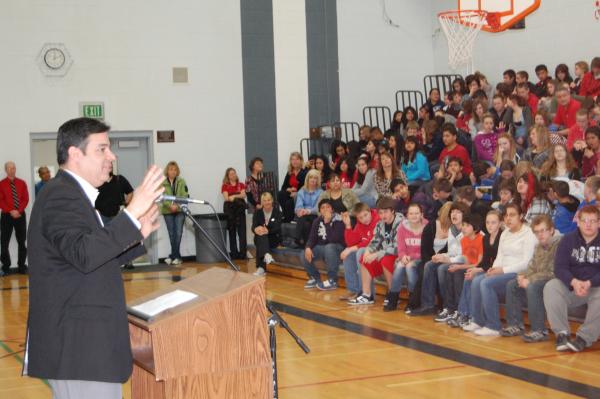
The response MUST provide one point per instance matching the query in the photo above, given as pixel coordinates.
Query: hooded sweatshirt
(384, 242)
(515, 250)
(564, 214)
(576, 259)
(541, 265)
(454, 245)
(322, 233)
(362, 234)
(409, 242)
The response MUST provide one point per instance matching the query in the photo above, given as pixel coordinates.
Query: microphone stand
(275, 318)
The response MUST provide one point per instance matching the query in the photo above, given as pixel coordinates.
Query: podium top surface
(208, 285)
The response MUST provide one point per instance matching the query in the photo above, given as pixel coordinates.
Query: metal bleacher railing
(441, 82)
(377, 115)
(405, 98)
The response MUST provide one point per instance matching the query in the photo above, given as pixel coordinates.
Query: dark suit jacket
(78, 327)
(274, 224)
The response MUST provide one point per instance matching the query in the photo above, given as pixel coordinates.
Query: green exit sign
(92, 110)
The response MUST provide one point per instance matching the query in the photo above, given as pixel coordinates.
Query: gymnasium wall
(376, 59)
(558, 32)
(123, 54)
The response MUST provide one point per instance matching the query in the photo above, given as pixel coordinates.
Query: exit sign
(92, 110)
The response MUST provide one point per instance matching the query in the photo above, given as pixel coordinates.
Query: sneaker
(443, 316)
(577, 345)
(535, 336)
(260, 272)
(168, 261)
(362, 299)
(459, 321)
(561, 342)
(511, 331)
(310, 284)
(423, 311)
(177, 262)
(268, 259)
(472, 326)
(408, 310)
(327, 285)
(392, 301)
(487, 332)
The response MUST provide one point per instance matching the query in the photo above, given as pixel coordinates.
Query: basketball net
(461, 28)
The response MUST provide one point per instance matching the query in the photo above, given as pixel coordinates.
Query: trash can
(205, 252)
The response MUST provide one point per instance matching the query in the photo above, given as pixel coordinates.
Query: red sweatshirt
(6, 199)
(590, 86)
(361, 234)
(565, 115)
(533, 103)
(460, 152)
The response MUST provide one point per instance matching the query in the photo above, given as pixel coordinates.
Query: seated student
(560, 164)
(408, 115)
(339, 149)
(591, 155)
(506, 150)
(266, 226)
(508, 194)
(523, 77)
(234, 207)
(531, 99)
(342, 199)
(514, 253)
(386, 172)
(509, 78)
(576, 135)
(455, 106)
(467, 196)
(539, 144)
(565, 112)
(476, 123)
(434, 272)
(519, 118)
(528, 287)
(395, 145)
(401, 195)
(381, 253)
(396, 127)
(357, 239)
(490, 250)
(434, 143)
(472, 250)
(254, 183)
(565, 206)
(414, 163)
(432, 196)
(434, 103)
(486, 140)
(409, 253)
(364, 135)
(577, 282)
(562, 74)
(504, 173)
(453, 149)
(364, 186)
(453, 171)
(294, 180)
(543, 78)
(307, 206)
(498, 111)
(483, 179)
(326, 241)
(590, 188)
(590, 83)
(533, 199)
(581, 68)
(413, 130)
(324, 168)
(345, 170)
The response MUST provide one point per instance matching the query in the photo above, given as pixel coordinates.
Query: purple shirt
(485, 145)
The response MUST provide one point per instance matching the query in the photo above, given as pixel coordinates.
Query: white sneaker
(259, 272)
(168, 261)
(472, 326)
(177, 262)
(268, 258)
(487, 332)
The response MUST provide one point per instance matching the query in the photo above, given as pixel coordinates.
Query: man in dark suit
(78, 336)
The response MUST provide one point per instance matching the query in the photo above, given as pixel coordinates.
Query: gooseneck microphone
(180, 200)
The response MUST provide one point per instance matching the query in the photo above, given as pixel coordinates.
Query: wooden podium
(215, 346)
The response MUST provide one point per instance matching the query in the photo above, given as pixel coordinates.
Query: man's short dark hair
(523, 85)
(511, 73)
(561, 188)
(450, 128)
(507, 165)
(397, 182)
(443, 185)
(325, 201)
(595, 130)
(466, 193)
(75, 133)
(540, 68)
(455, 159)
(523, 74)
(474, 220)
(459, 206)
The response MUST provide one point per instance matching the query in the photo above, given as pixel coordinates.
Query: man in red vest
(14, 197)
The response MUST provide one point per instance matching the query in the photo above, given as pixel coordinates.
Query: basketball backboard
(502, 14)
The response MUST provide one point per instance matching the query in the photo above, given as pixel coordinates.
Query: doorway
(134, 152)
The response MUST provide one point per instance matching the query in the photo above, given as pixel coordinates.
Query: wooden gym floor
(357, 352)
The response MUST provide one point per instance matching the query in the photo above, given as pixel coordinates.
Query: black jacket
(77, 328)
(427, 239)
(273, 224)
(286, 182)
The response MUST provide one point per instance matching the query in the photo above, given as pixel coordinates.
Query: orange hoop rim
(457, 13)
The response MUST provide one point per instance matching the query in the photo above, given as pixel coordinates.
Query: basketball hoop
(461, 28)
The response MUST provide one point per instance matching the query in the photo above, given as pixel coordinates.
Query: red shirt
(362, 234)
(472, 248)
(590, 86)
(233, 189)
(460, 152)
(533, 103)
(6, 198)
(575, 133)
(347, 182)
(565, 115)
(294, 180)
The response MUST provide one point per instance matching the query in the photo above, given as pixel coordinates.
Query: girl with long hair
(532, 196)
(294, 180)
(560, 164)
(234, 207)
(539, 144)
(414, 163)
(364, 186)
(386, 172)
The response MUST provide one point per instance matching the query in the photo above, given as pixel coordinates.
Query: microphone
(180, 200)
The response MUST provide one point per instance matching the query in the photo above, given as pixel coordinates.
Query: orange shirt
(472, 248)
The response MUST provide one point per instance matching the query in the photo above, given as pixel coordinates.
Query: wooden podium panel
(215, 346)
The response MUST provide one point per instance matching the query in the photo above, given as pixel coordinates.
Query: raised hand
(146, 193)
(149, 221)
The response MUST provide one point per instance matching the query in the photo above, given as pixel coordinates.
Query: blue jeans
(330, 253)
(486, 302)
(533, 297)
(464, 303)
(174, 222)
(412, 276)
(368, 199)
(352, 271)
(434, 274)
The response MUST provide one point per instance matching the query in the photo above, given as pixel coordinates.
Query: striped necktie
(13, 188)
